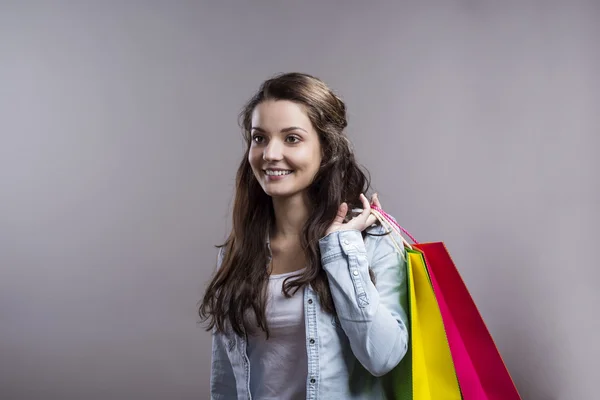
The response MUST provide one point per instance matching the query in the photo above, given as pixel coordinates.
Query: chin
(280, 193)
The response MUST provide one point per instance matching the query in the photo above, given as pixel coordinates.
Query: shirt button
(312, 380)
(312, 341)
(309, 301)
(346, 242)
(355, 273)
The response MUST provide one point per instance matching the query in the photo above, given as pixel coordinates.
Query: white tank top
(278, 366)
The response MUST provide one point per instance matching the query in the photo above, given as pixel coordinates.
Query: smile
(277, 173)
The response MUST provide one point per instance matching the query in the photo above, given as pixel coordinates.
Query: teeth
(277, 173)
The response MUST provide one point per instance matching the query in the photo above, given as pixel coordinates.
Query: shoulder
(381, 240)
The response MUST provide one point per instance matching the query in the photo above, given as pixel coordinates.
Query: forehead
(275, 115)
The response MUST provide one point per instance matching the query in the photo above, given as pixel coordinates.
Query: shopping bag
(481, 372)
(434, 376)
(427, 371)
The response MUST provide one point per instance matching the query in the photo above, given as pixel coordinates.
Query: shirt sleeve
(373, 316)
(222, 379)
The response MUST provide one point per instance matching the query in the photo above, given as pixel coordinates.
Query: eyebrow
(285, 130)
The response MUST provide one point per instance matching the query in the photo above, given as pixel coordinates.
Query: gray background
(479, 121)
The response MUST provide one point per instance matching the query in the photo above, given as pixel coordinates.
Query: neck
(291, 214)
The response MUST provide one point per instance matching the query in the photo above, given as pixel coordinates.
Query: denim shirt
(347, 353)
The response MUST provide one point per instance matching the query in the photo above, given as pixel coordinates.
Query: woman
(307, 301)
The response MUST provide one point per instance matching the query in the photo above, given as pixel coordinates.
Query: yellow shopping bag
(433, 373)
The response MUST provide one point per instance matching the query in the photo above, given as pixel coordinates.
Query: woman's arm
(373, 316)
(222, 380)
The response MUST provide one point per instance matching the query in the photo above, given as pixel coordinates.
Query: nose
(273, 151)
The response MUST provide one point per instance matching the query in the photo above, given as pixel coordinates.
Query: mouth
(277, 173)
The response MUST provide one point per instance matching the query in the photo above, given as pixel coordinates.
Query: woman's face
(285, 153)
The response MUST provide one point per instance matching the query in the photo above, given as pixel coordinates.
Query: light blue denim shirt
(347, 353)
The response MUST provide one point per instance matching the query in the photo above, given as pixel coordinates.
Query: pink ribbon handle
(391, 220)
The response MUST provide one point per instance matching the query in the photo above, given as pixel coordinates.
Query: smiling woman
(293, 306)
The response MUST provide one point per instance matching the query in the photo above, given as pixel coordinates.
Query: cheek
(307, 160)
(315, 161)
(254, 158)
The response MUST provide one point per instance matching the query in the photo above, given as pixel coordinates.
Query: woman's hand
(360, 222)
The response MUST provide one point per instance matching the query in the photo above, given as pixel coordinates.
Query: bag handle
(385, 223)
(392, 221)
(390, 228)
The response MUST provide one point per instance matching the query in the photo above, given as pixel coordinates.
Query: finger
(371, 220)
(341, 213)
(365, 219)
(364, 201)
(376, 201)
(366, 208)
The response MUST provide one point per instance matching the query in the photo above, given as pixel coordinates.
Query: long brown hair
(240, 283)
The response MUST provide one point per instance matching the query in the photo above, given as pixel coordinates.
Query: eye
(292, 139)
(257, 139)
